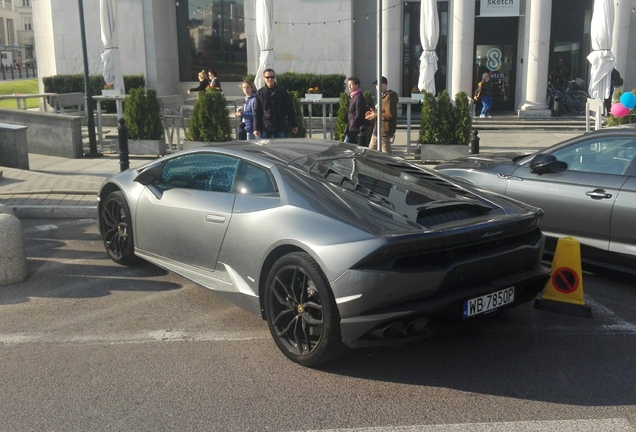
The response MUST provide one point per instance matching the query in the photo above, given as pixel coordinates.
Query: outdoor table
(118, 99)
(20, 99)
(322, 102)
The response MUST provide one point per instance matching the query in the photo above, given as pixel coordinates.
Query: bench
(70, 103)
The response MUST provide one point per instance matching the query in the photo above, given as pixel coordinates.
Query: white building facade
(168, 41)
(16, 32)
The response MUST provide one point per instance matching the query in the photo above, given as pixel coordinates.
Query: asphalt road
(87, 345)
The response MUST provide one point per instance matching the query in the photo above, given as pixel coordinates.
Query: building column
(462, 46)
(537, 58)
(620, 34)
(392, 13)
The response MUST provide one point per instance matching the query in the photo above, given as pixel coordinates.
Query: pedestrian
(357, 109)
(562, 73)
(203, 83)
(616, 81)
(273, 109)
(247, 112)
(484, 93)
(389, 117)
(215, 83)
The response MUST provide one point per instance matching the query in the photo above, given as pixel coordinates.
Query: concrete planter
(111, 93)
(313, 96)
(440, 152)
(417, 96)
(147, 147)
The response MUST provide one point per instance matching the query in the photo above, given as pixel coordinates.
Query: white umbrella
(111, 68)
(601, 58)
(265, 37)
(429, 35)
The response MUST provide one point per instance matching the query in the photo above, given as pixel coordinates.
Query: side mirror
(544, 163)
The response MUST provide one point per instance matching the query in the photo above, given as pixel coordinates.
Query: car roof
(286, 151)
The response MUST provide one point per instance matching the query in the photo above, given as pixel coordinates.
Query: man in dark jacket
(272, 110)
(389, 118)
(357, 108)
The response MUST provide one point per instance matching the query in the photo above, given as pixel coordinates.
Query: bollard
(13, 261)
(556, 107)
(361, 138)
(122, 135)
(474, 142)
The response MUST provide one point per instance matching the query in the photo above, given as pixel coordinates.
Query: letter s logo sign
(493, 57)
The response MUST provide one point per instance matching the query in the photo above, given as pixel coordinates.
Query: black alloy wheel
(301, 312)
(115, 224)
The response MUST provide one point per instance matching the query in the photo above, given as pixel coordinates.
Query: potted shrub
(445, 129)
(300, 120)
(210, 120)
(142, 113)
(313, 94)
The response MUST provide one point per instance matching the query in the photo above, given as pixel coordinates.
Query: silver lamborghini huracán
(336, 246)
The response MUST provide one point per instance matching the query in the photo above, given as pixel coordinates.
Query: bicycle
(573, 98)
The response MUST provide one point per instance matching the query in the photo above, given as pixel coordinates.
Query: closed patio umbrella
(601, 58)
(111, 67)
(429, 35)
(265, 37)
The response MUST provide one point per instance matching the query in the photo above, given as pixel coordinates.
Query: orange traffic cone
(564, 291)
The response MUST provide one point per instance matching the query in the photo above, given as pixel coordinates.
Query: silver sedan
(585, 185)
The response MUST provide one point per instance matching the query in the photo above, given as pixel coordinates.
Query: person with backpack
(484, 93)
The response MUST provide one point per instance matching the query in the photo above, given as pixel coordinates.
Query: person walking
(273, 109)
(247, 112)
(389, 117)
(215, 83)
(203, 83)
(484, 93)
(357, 109)
(615, 81)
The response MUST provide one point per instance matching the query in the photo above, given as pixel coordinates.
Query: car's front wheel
(115, 224)
(301, 311)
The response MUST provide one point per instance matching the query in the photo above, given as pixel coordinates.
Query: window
(27, 24)
(601, 156)
(254, 180)
(202, 171)
(211, 35)
(26, 3)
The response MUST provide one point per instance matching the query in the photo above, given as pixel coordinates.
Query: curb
(55, 212)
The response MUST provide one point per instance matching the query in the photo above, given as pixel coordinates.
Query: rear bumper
(418, 318)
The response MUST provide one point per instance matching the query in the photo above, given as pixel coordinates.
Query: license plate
(489, 302)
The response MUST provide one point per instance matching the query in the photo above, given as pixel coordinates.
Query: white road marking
(589, 425)
(620, 325)
(130, 338)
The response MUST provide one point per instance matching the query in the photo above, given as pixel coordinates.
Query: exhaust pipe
(388, 331)
(416, 327)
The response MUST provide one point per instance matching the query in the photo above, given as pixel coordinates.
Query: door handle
(598, 194)
(215, 218)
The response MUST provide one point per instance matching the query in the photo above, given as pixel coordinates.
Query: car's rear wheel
(301, 311)
(116, 227)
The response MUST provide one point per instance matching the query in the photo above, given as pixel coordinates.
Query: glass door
(498, 61)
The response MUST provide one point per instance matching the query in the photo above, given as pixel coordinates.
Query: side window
(254, 180)
(201, 171)
(602, 156)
